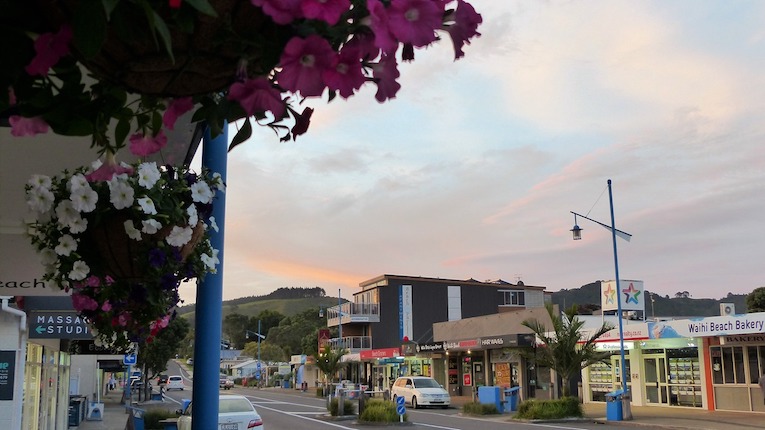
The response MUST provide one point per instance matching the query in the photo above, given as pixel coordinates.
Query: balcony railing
(353, 313)
(352, 343)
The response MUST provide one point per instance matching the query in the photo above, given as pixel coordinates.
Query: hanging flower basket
(122, 239)
(87, 68)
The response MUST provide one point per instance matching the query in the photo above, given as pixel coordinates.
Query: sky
(472, 171)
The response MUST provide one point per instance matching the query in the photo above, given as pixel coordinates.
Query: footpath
(115, 416)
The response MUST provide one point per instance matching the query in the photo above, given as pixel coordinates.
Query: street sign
(58, 325)
(257, 374)
(401, 410)
(130, 359)
(400, 401)
(257, 365)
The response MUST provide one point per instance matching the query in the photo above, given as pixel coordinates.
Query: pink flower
(93, 281)
(83, 303)
(50, 48)
(142, 145)
(257, 95)
(415, 21)
(281, 11)
(385, 73)
(176, 108)
(379, 23)
(303, 62)
(346, 74)
(108, 170)
(364, 44)
(465, 27)
(123, 319)
(21, 126)
(325, 10)
(106, 307)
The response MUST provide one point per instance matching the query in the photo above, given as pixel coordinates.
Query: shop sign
(58, 325)
(746, 338)
(430, 347)
(461, 344)
(379, 353)
(613, 346)
(87, 347)
(506, 341)
(466, 380)
(7, 372)
(730, 325)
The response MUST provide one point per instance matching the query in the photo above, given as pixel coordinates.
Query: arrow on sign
(40, 329)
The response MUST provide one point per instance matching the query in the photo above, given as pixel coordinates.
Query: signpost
(400, 408)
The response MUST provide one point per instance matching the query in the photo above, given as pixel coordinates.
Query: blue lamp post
(260, 336)
(577, 235)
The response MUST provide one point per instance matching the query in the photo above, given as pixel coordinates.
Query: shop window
(728, 365)
(754, 366)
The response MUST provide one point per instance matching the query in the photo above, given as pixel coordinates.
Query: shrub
(382, 411)
(152, 417)
(348, 407)
(476, 408)
(319, 391)
(550, 409)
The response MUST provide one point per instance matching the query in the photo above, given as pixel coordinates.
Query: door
(655, 371)
(616, 366)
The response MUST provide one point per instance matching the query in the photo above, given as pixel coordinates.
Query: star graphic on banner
(631, 294)
(610, 294)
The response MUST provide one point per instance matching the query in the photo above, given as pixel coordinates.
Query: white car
(421, 391)
(175, 382)
(234, 413)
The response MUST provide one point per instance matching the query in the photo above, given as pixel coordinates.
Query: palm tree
(329, 362)
(562, 350)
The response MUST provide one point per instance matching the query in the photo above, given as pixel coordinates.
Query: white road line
(435, 426)
(294, 414)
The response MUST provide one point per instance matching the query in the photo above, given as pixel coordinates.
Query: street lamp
(577, 235)
(260, 336)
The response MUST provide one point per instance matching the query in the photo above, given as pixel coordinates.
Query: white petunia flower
(201, 192)
(66, 213)
(120, 193)
(48, 257)
(211, 261)
(131, 231)
(84, 198)
(66, 245)
(40, 181)
(147, 205)
(77, 181)
(214, 224)
(151, 226)
(193, 216)
(79, 271)
(179, 236)
(217, 179)
(40, 199)
(78, 225)
(148, 174)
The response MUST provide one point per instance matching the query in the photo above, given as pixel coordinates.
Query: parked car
(226, 383)
(175, 382)
(421, 391)
(234, 413)
(190, 361)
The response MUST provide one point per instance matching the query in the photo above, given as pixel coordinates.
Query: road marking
(296, 414)
(435, 426)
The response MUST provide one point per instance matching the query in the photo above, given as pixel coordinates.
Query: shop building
(393, 311)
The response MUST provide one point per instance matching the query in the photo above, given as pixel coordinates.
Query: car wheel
(444, 407)
(414, 402)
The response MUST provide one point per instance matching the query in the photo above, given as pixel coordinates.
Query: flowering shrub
(149, 61)
(122, 239)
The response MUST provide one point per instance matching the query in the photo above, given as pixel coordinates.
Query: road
(289, 410)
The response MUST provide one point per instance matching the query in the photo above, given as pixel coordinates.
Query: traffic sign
(400, 401)
(400, 409)
(130, 359)
(257, 374)
(257, 365)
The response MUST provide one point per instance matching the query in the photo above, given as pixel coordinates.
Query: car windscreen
(235, 405)
(426, 383)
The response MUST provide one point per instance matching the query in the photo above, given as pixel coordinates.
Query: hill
(682, 305)
(287, 301)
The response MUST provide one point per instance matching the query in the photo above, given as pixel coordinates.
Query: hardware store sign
(58, 325)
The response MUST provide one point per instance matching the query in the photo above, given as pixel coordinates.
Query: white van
(174, 382)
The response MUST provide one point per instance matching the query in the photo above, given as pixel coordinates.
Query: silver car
(421, 391)
(234, 413)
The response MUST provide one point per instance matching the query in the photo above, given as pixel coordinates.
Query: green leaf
(122, 130)
(89, 28)
(202, 6)
(242, 135)
(164, 33)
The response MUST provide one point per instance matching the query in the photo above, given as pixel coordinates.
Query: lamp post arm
(623, 234)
